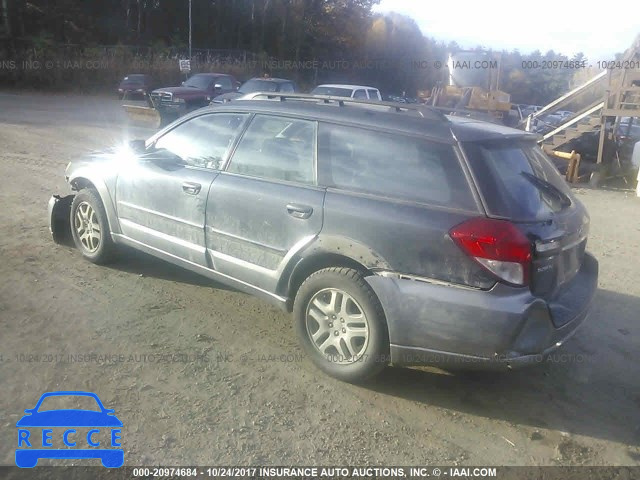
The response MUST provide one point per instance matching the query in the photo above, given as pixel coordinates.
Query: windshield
(133, 79)
(199, 81)
(517, 180)
(333, 91)
(258, 86)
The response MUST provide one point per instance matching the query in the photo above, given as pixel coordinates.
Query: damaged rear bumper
(505, 327)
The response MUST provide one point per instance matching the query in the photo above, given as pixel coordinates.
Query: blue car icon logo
(79, 433)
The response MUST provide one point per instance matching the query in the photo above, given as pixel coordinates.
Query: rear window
(517, 180)
(391, 165)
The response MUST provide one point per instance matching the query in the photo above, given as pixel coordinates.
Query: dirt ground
(200, 374)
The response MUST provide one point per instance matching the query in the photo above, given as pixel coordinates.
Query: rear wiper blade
(547, 187)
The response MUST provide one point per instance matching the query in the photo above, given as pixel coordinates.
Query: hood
(105, 155)
(69, 418)
(227, 97)
(182, 91)
(111, 159)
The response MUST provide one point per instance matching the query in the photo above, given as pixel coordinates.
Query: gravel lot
(200, 374)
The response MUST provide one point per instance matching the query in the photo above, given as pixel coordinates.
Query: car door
(266, 206)
(161, 197)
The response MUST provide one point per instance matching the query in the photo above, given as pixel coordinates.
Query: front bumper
(455, 327)
(171, 111)
(59, 212)
(171, 107)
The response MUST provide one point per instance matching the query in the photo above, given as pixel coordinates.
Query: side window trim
(232, 150)
(475, 191)
(241, 135)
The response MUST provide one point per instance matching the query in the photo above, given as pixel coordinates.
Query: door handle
(191, 188)
(299, 211)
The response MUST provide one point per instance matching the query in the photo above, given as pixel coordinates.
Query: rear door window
(392, 165)
(277, 148)
(360, 94)
(517, 180)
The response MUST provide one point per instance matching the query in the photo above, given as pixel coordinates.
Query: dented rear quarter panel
(401, 237)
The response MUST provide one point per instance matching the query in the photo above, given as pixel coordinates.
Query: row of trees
(282, 28)
(340, 40)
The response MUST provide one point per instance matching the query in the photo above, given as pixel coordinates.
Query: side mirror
(164, 158)
(137, 146)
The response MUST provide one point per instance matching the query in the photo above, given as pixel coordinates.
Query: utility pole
(189, 30)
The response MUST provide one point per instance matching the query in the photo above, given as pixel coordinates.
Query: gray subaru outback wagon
(395, 235)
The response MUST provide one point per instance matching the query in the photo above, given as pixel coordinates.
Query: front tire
(341, 324)
(90, 228)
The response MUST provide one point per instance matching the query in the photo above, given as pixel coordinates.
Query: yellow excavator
(470, 87)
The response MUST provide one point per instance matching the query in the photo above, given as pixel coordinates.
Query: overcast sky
(527, 25)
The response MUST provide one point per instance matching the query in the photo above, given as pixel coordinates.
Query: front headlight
(179, 100)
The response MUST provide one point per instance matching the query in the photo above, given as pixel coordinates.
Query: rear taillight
(498, 246)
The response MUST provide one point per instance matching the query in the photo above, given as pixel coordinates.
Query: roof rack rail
(422, 110)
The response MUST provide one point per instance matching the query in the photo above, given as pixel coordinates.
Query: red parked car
(194, 93)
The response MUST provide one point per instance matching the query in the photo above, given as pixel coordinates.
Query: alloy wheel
(87, 227)
(337, 326)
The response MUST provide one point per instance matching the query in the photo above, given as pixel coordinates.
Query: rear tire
(341, 324)
(90, 228)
